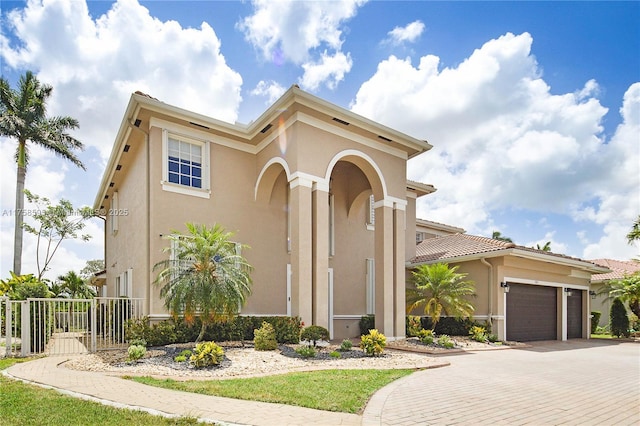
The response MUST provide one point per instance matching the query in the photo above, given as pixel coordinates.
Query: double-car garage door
(533, 313)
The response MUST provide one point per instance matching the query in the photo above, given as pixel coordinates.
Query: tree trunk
(202, 330)
(17, 241)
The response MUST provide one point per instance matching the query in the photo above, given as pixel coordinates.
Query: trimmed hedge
(595, 320)
(239, 328)
(447, 325)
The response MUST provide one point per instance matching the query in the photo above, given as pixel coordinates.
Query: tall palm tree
(23, 116)
(440, 289)
(204, 275)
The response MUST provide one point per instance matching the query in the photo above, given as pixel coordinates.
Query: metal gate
(65, 326)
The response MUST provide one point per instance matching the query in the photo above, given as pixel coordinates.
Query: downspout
(147, 289)
(490, 287)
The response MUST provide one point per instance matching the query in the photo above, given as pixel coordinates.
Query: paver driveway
(578, 382)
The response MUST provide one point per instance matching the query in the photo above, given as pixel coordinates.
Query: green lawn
(331, 390)
(22, 404)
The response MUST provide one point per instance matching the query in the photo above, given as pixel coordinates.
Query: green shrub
(136, 352)
(162, 333)
(618, 319)
(479, 334)
(186, 352)
(138, 342)
(445, 341)
(367, 322)
(314, 333)
(602, 330)
(450, 326)
(493, 338)
(180, 358)
(414, 325)
(346, 345)
(634, 323)
(595, 320)
(206, 354)
(373, 343)
(306, 351)
(265, 338)
(425, 336)
(335, 354)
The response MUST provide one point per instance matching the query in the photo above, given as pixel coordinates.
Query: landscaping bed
(244, 361)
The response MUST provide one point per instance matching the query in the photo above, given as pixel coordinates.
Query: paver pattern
(577, 382)
(550, 383)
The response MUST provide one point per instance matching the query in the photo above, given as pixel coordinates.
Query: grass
(22, 404)
(601, 336)
(331, 390)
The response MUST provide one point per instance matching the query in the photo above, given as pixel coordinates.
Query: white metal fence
(65, 326)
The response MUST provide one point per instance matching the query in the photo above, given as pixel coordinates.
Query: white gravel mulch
(247, 362)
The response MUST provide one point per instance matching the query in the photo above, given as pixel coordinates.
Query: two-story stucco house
(318, 193)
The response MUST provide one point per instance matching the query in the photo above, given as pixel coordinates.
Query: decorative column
(384, 248)
(320, 254)
(399, 270)
(301, 249)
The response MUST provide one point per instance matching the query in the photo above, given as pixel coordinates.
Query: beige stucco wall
(301, 150)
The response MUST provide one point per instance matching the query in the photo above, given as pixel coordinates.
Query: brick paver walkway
(569, 383)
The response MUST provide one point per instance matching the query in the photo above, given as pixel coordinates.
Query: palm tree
(23, 117)
(626, 289)
(497, 235)
(545, 247)
(205, 275)
(634, 234)
(440, 289)
(75, 286)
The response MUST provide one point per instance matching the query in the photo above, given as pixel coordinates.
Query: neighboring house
(526, 294)
(619, 269)
(318, 193)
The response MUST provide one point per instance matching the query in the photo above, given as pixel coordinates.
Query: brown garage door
(574, 315)
(531, 313)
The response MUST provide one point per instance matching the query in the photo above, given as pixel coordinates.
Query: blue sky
(533, 108)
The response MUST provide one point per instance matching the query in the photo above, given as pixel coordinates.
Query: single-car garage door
(574, 315)
(531, 312)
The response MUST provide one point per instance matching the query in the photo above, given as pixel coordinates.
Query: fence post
(94, 324)
(7, 318)
(25, 324)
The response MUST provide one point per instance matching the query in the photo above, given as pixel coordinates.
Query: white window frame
(113, 217)
(371, 213)
(370, 277)
(205, 191)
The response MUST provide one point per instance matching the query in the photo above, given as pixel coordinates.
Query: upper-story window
(185, 165)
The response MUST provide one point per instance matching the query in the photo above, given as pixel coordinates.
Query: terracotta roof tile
(462, 245)
(457, 245)
(619, 269)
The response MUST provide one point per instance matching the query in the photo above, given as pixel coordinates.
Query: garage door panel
(531, 312)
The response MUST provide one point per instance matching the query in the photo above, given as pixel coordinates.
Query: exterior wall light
(505, 287)
(568, 291)
(592, 294)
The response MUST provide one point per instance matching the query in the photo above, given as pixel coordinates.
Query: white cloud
(503, 140)
(330, 70)
(271, 89)
(302, 32)
(409, 33)
(95, 64)
(556, 246)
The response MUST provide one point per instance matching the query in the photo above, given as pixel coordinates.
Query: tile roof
(457, 245)
(619, 269)
(453, 246)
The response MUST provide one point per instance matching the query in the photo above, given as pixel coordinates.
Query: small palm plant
(441, 290)
(205, 275)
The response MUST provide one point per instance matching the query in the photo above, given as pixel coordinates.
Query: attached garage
(531, 312)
